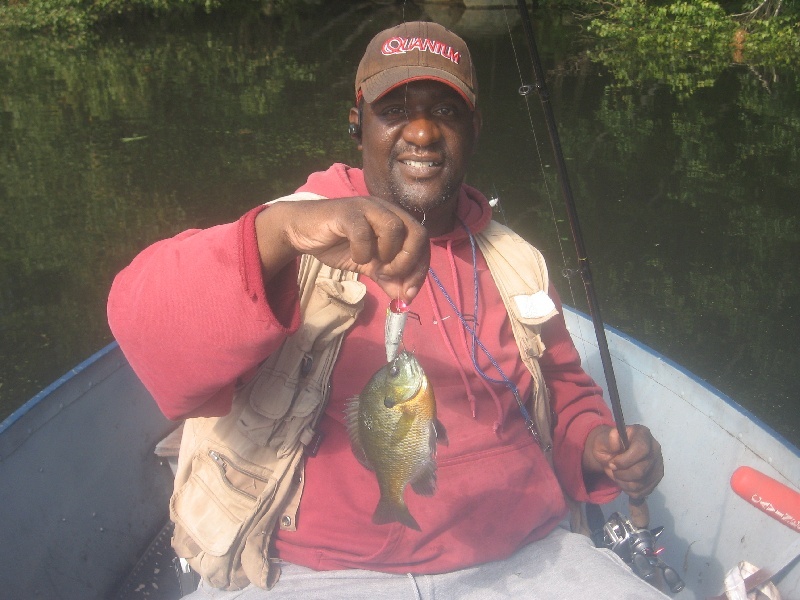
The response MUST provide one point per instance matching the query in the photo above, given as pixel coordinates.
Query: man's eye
(395, 111)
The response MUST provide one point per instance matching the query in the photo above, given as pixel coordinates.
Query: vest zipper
(224, 464)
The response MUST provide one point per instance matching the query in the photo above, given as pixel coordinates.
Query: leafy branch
(687, 44)
(766, 10)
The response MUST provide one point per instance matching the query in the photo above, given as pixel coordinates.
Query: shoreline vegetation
(685, 44)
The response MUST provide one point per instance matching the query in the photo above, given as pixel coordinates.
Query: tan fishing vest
(240, 476)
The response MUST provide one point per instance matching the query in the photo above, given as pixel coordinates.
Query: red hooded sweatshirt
(193, 317)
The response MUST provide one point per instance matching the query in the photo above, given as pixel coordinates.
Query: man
(215, 326)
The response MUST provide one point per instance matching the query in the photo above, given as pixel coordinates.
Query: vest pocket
(280, 401)
(220, 495)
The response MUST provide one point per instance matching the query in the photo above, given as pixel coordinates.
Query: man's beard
(414, 203)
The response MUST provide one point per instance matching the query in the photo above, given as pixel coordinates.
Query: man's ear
(355, 125)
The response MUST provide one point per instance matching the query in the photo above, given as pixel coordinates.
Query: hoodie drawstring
(438, 316)
(472, 330)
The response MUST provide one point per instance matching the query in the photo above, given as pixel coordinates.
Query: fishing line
(572, 214)
(524, 91)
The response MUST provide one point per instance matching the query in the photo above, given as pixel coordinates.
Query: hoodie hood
(341, 181)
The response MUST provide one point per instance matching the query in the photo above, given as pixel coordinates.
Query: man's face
(416, 141)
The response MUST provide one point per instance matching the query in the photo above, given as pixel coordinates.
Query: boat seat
(167, 449)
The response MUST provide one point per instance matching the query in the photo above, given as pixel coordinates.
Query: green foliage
(79, 18)
(107, 148)
(78, 21)
(687, 44)
(772, 42)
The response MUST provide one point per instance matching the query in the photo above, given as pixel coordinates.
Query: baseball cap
(416, 50)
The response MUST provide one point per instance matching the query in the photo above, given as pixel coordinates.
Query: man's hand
(636, 470)
(362, 234)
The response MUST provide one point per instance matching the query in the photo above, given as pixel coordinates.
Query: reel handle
(639, 512)
(672, 579)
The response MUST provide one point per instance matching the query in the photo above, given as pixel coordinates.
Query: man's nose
(422, 131)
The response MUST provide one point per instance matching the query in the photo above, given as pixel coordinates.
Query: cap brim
(388, 79)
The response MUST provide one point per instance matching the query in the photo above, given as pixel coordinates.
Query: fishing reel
(637, 547)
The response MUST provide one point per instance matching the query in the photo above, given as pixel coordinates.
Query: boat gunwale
(692, 378)
(11, 439)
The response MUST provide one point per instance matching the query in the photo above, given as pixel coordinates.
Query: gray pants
(561, 566)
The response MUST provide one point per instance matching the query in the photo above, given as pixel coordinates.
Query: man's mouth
(421, 163)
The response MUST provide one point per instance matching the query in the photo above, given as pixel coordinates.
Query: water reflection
(689, 206)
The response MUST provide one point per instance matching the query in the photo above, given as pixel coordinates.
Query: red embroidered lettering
(399, 45)
(393, 46)
(430, 46)
(453, 55)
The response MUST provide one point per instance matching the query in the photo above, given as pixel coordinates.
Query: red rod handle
(780, 502)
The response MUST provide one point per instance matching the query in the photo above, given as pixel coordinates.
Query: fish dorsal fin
(351, 420)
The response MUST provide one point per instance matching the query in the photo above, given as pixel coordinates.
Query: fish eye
(394, 370)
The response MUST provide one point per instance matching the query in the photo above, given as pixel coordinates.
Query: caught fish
(393, 431)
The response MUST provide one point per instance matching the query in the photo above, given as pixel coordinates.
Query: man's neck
(439, 221)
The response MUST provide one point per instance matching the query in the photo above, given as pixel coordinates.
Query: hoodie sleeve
(192, 315)
(578, 405)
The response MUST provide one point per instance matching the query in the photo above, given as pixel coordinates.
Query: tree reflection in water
(688, 202)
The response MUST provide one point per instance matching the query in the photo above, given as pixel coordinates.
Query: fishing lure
(396, 317)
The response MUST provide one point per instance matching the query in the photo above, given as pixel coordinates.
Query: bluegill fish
(393, 431)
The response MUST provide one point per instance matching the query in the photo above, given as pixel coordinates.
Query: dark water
(688, 201)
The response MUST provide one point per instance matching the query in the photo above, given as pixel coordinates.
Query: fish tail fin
(393, 512)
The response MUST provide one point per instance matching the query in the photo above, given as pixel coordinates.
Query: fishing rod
(584, 268)
(640, 513)
(628, 538)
